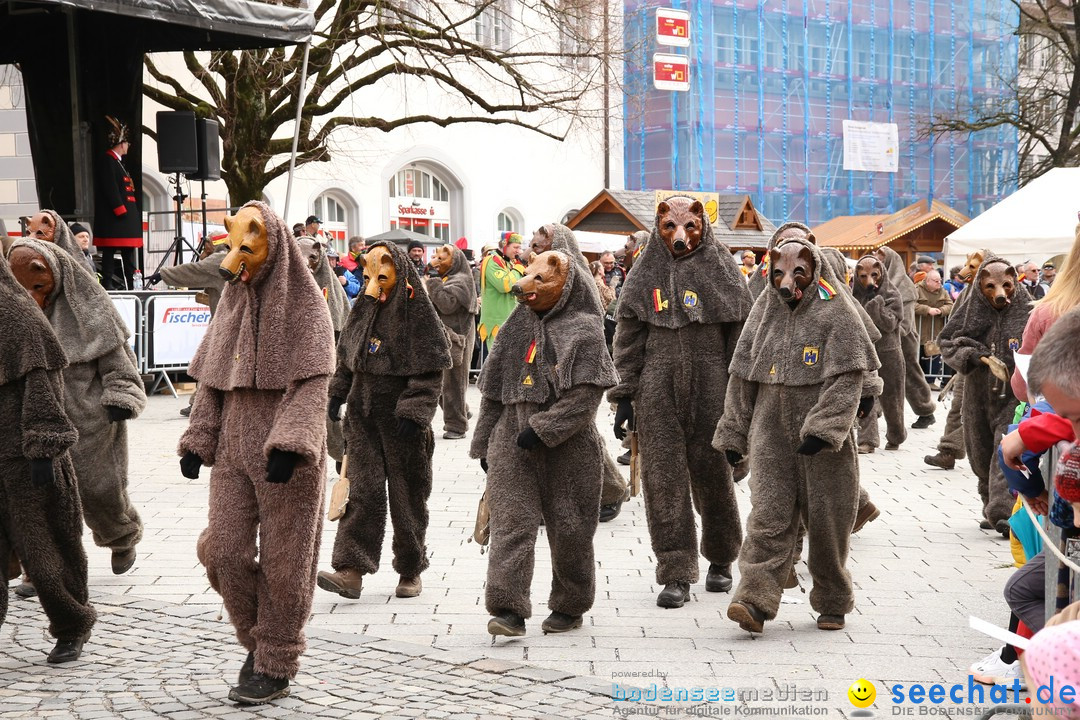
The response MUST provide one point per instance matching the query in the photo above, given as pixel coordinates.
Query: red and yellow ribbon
(531, 354)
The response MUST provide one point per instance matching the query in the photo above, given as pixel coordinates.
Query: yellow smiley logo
(862, 693)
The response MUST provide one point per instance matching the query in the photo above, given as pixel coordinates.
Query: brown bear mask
(249, 246)
(542, 285)
(998, 283)
(380, 275)
(792, 266)
(33, 273)
(869, 272)
(972, 265)
(681, 222)
(541, 240)
(443, 260)
(42, 227)
(311, 249)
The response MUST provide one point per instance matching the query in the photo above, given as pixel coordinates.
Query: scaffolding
(771, 82)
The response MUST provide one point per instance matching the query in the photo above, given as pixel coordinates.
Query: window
(506, 223)
(334, 211)
(575, 34)
(329, 209)
(492, 24)
(412, 182)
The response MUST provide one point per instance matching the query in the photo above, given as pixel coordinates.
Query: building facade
(771, 82)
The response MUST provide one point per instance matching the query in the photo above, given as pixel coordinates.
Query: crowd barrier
(166, 328)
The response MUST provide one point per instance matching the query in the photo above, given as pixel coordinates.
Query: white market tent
(598, 242)
(1036, 222)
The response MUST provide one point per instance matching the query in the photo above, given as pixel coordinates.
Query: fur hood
(63, 238)
(821, 338)
(79, 309)
(704, 287)
(32, 344)
(564, 241)
(402, 336)
(538, 358)
(336, 299)
(272, 332)
(839, 266)
(459, 281)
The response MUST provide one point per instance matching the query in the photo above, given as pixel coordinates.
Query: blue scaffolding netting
(771, 82)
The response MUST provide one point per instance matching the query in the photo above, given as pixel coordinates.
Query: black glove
(280, 465)
(333, 410)
(189, 465)
(527, 439)
(866, 404)
(407, 428)
(153, 279)
(733, 457)
(118, 414)
(624, 414)
(812, 445)
(41, 472)
(339, 271)
(483, 464)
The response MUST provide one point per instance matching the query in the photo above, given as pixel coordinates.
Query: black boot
(122, 560)
(624, 459)
(610, 512)
(259, 689)
(67, 650)
(247, 669)
(558, 622)
(719, 577)
(749, 617)
(507, 623)
(674, 594)
(923, 421)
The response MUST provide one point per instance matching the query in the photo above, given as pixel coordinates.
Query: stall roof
(164, 25)
(1036, 222)
(402, 237)
(627, 211)
(869, 232)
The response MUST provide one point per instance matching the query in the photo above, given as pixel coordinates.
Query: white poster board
(128, 307)
(176, 327)
(871, 147)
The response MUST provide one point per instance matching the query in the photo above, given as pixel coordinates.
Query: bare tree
(533, 65)
(1042, 97)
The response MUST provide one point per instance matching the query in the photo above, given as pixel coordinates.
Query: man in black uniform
(116, 211)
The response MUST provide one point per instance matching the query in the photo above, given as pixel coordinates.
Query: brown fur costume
(916, 389)
(63, 238)
(555, 393)
(975, 330)
(390, 363)
(101, 374)
(454, 297)
(42, 525)
(886, 308)
(673, 363)
(759, 279)
(263, 369)
(798, 373)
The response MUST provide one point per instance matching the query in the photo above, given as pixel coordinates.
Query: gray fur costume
(916, 389)
(263, 368)
(975, 329)
(798, 373)
(454, 297)
(65, 239)
(200, 274)
(41, 525)
(555, 393)
(886, 309)
(102, 373)
(614, 486)
(390, 363)
(678, 323)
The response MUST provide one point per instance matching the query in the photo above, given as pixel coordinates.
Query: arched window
(334, 210)
(506, 223)
(420, 202)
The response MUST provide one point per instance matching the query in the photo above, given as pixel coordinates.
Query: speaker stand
(179, 241)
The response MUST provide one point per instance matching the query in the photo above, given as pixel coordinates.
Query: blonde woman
(607, 293)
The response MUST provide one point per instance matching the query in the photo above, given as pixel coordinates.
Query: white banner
(177, 326)
(871, 147)
(128, 307)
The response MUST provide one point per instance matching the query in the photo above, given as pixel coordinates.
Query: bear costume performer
(873, 288)
(916, 389)
(390, 363)
(102, 385)
(40, 515)
(259, 419)
(799, 377)
(759, 279)
(679, 318)
(454, 295)
(977, 331)
(536, 436)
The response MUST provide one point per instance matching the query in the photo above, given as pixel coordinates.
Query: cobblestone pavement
(920, 570)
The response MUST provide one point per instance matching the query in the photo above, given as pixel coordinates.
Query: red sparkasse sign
(672, 27)
(671, 72)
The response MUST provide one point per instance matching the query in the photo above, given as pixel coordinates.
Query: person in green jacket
(498, 273)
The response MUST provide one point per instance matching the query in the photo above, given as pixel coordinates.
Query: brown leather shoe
(943, 460)
(867, 513)
(830, 622)
(346, 582)
(408, 587)
(749, 617)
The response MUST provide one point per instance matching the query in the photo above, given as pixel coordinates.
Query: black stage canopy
(83, 59)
